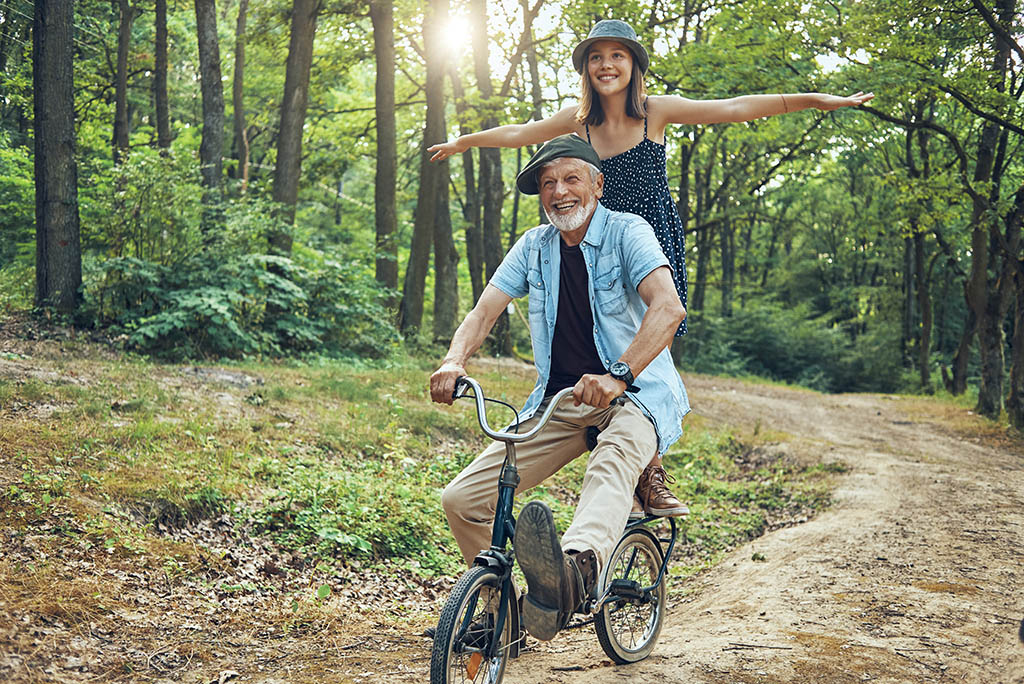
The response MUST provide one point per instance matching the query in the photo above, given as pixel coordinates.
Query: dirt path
(915, 575)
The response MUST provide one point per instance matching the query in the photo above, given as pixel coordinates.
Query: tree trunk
(1015, 404)
(702, 237)
(446, 261)
(537, 97)
(293, 117)
(471, 207)
(163, 118)
(386, 215)
(410, 311)
(924, 305)
(124, 39)
(58, 249)
(490, 188)
(211, 148)
(907, 290)
(241, 141)
(728, 249)
(957, 384)
(1012, 284)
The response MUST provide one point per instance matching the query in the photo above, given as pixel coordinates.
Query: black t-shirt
(573, 352)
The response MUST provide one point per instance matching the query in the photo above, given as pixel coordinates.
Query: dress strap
(645, 118)
(587, 126)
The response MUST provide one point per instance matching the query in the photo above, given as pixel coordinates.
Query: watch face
(618, 368)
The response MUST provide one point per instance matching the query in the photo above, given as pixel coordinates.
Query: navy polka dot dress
(636, 181)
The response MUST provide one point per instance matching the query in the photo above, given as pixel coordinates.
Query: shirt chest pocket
(538, 293)
(610, 291)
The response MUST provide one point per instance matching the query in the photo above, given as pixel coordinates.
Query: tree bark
(293, 117)
(446, 260)
(211, 148)
(410, 310)
(124, 39)
(983, 289)
(471, 206)
(924, 305)
(728, 251)
(241, 140)
(490, 187)
(536, 96)
(58, 247)
(1015, 403)
(906, 334)
(163, 118)
(386, 215)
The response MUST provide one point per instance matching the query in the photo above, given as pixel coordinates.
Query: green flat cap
(612, 29)
(568, 145)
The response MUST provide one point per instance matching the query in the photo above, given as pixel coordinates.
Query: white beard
(571, 222)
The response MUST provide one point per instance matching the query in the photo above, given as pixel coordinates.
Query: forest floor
(914, 574)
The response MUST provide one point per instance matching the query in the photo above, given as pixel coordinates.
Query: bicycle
(473, 641)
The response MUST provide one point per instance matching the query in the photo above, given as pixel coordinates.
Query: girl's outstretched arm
(512, 135)
(679, 110)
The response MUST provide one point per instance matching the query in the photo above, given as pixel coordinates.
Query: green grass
(334, 460)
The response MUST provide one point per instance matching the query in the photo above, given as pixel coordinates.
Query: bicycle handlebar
(465, 382)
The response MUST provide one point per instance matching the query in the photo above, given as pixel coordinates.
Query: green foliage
(365, 507)
(249, 304)
(765, 339)
(146, 207)
(17, 201)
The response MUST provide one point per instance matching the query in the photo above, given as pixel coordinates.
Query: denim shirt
(620, 250)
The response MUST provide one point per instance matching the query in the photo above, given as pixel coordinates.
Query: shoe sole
(541, 559)
(670, 512)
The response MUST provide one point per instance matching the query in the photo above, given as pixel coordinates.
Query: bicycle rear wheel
(629, 626)
(465, 630)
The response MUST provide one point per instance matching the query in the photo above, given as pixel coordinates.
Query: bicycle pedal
(627, 589)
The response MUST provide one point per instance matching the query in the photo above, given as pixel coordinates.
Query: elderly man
(603, 310)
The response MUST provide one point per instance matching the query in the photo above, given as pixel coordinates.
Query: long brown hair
(589, 111)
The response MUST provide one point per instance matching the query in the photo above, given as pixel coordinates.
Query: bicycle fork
(496, 558)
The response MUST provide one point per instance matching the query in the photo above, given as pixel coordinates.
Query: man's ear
(600, 186)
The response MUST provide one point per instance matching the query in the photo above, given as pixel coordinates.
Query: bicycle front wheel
(466, 629)
(628, 627)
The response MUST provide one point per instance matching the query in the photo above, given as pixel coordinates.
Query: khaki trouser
(626, 444)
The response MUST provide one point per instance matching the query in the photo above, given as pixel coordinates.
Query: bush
(770, 341)
(17, 202)
(244, 305)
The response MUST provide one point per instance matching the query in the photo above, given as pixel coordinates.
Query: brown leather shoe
(656, 497)
(581, 566)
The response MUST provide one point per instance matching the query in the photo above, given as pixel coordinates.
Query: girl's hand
(833, 102)
(446, 149)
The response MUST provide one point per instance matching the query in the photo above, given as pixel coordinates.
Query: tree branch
(996, 27)
(946, 133)
(962, 99)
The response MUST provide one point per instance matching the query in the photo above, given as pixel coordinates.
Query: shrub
(244, 305)
(768, 340)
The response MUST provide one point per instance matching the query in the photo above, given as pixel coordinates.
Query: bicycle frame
(503, 531)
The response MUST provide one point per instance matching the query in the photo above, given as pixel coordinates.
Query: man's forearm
(467, 339)
(657, 329)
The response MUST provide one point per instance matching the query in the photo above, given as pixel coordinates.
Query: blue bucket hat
(612, 29)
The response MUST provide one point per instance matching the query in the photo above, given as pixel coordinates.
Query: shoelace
(661, 476)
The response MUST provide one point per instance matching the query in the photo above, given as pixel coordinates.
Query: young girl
(627, 129)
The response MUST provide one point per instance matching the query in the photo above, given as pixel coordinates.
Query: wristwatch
(620, 371)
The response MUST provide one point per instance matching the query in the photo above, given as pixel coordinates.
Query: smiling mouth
(563, 207)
